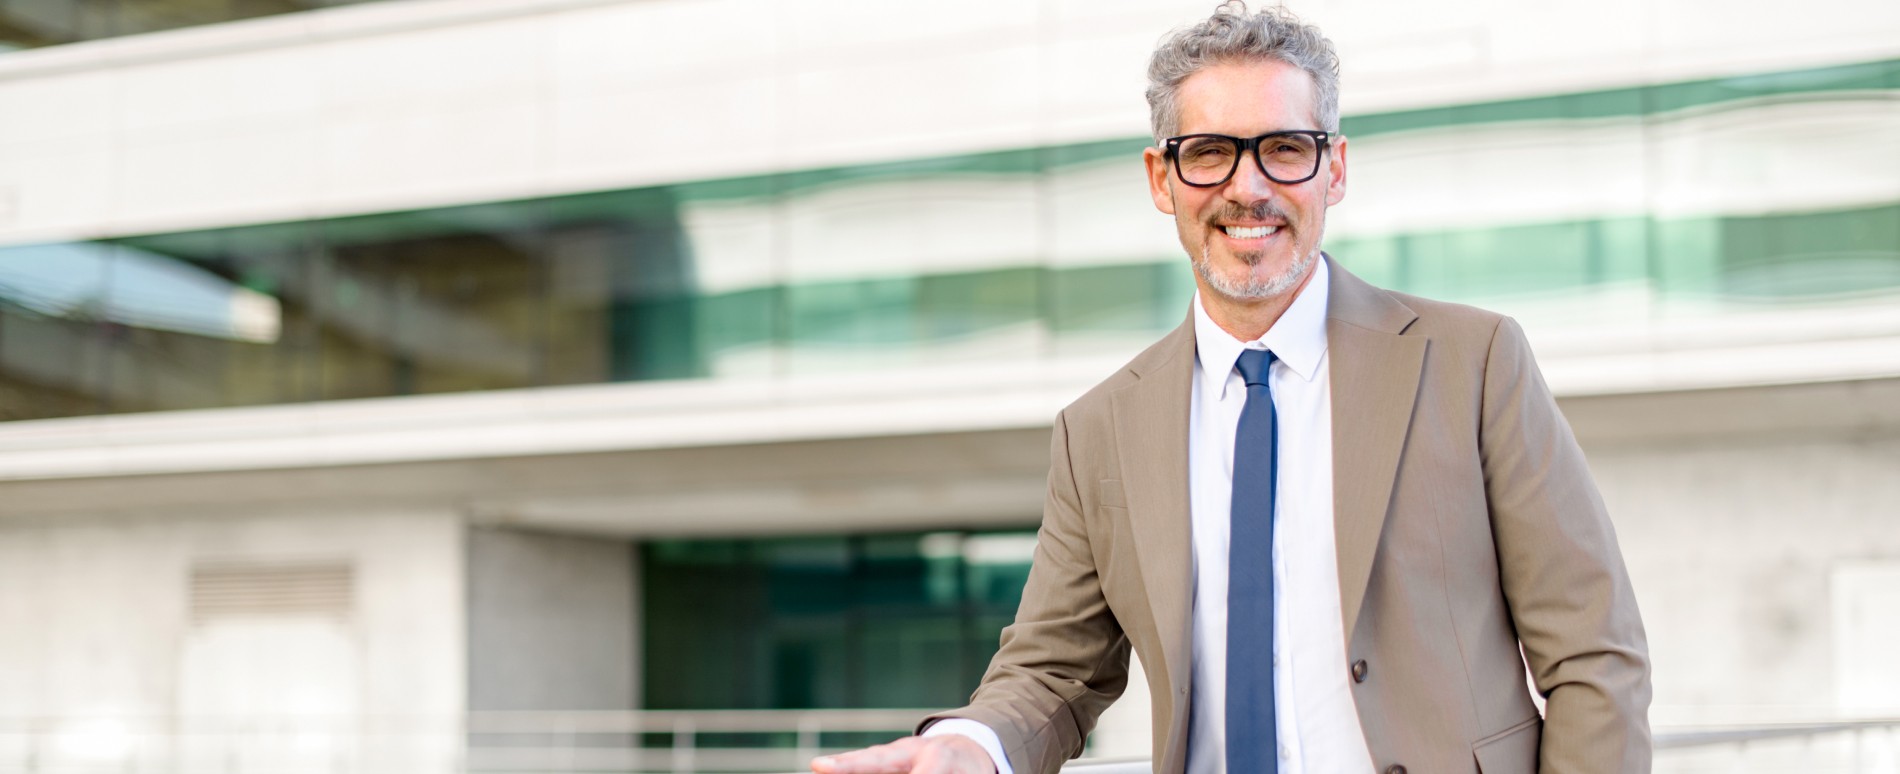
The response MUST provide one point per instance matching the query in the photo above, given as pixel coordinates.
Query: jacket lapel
(1375, 375)
(1151, 428)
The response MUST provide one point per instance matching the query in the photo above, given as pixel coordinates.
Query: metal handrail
(1665, 743)
(705, 721)
(611, 740)
(899, 721)
(1677, 740)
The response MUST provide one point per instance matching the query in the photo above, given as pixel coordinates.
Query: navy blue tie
(1252, 741)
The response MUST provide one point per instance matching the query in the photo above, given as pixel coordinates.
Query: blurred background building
(533, 385)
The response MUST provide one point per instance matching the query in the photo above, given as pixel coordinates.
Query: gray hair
(1233, 34)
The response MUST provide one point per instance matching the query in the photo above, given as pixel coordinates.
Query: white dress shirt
(1319, 730)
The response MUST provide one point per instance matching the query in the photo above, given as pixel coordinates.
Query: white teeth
(1250, 233)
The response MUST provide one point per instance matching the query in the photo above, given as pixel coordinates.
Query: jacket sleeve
(1562, 573)
(1065, 659)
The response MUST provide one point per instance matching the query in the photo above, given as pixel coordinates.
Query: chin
(1244, 283)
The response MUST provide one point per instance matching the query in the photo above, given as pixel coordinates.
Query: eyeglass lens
(1210, 160)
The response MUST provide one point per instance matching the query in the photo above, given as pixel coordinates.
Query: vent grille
(227, 590)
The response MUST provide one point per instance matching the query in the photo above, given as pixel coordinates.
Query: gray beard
(1253, 289)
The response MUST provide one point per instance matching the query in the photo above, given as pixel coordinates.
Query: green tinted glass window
(899, 620)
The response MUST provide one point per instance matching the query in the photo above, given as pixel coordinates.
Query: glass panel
(1850, 252)
(154, 15)
(992, 258)
(1134, 300)
(224, 328)
(52, 343)
(140, 325)
(736, 244)
(899, 620)
(921, 262)
(436, 301)
(34, 23)
(1116, 277)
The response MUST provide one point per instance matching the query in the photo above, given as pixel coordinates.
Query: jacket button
(1394, 768)
(1359, 676)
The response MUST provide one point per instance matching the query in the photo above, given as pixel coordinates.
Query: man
(1327, 517)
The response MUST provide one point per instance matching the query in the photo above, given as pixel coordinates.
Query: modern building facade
(369, 367)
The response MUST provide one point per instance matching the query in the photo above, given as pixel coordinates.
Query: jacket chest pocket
(1111, 495)
(1116, 563)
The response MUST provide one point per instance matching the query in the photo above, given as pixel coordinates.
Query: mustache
(1259, 211)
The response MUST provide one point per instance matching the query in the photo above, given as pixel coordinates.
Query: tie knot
(1253, 365)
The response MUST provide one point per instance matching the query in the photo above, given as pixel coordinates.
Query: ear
(1158, 182)
(1336, 168)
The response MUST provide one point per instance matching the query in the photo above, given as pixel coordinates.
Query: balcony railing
(684, 742)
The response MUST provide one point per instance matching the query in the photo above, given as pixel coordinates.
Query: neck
(1247, 319)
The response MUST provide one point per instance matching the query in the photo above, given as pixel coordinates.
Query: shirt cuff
(982, 734)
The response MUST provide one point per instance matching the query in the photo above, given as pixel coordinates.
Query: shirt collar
(1297, 339)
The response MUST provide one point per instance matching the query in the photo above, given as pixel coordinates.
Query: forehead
(1247, 98)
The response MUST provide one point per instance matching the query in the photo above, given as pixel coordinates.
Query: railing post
(683, 745)
(567, 744)
(808, 735)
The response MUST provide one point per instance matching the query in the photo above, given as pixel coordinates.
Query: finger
(881, 759)
(893, 758)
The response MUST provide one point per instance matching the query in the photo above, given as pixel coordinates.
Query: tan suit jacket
(1467, 523)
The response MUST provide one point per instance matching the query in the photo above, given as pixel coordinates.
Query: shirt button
(1395, 769)
(1286, 753)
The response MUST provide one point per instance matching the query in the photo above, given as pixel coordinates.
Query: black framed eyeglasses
(1208, 160)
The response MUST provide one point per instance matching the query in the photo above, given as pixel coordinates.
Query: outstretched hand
(947, 754)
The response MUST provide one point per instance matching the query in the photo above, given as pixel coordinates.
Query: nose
(1249, 184)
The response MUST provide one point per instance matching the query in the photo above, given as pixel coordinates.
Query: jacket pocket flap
(1511, 751)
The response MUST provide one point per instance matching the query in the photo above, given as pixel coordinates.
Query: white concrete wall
(1757, 525)
(1736, 548)
(99, 645)
(553, 622)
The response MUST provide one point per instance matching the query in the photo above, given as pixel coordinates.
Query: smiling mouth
(1250, 232)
